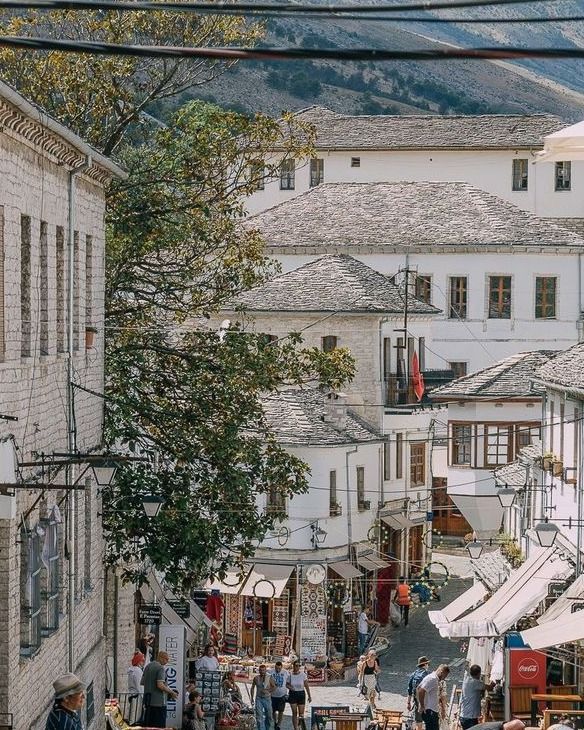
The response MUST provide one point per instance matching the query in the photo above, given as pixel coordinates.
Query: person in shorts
(298, 691)
(279, 694)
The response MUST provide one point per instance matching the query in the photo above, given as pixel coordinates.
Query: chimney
(335, 409)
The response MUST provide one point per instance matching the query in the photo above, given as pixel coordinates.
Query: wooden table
(348, 720)
(536, 698)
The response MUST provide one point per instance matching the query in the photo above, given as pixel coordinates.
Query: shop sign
(181, 608)
(527, 667)
(577, 607)
(556, 588)
(172, 640)
(150, 613)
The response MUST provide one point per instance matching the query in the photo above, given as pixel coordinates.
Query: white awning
(565, 144)
(397, 521)
(553, 633)
(483, 512)
(372, 562)
(475, 594)
(267, 581)
(562, 607)
(346, 570)
(517, 597)
(231, 583)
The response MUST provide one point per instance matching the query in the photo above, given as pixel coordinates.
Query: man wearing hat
(69, 698)
(415, 678)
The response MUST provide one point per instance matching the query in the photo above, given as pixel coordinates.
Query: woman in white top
(208, 662)
(298, 690)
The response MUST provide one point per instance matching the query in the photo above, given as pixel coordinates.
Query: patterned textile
(280, 613)
(233, 615)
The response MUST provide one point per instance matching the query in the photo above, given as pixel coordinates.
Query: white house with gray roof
(338, 301)
(493, 415)
(344, 455)
(503, 279)
(492, 152)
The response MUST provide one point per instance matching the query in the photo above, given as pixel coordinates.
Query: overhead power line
(264, 9)
(287, 54)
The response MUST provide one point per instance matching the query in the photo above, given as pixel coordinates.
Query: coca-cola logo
(527, 668)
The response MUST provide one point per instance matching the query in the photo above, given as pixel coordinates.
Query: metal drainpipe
(349, 520)
(579, 495)
(71, 428)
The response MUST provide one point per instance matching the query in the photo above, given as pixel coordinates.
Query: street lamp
(318, 535)
(152, 505)
(104, 470)
(506, 497)
(546, 533)
(475, 549)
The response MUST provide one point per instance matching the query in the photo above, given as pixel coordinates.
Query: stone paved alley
(407, 644)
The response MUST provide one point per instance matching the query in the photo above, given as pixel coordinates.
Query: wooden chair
(389, 719)
(520, 700)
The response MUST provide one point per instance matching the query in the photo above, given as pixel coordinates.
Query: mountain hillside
(462, 87)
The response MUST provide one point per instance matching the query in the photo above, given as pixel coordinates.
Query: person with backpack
(415, 678)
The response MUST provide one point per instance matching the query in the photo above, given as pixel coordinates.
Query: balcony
(396, 391)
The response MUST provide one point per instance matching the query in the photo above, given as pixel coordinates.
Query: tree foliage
(177, 384)
(102, 97)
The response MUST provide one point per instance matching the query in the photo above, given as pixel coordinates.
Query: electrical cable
(276, 9)
(286, 54)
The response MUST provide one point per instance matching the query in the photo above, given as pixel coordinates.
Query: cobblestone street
(407, 644)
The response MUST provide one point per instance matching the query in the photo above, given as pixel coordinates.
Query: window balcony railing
(397, 392)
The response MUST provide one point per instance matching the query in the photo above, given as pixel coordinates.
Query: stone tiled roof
(565, 370)
(296, 417)
(492, 131)
(513, 474)
(332, 284)
(492, 568)
(509, 378)
(341, 216)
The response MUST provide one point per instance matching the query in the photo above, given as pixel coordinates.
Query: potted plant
(547, 461)
(90, 333)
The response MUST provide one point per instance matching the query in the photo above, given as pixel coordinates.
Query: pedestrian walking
(473, 689)
(280, 677)
(429, 697)
(135, 688)
(363, 624)
(421, 670)
(403, 599)
(68, 701)
(371, 670)
(261, 688)
(298, 691)
(156, 691)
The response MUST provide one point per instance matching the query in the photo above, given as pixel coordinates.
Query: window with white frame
(563, 176)
(316, 171)
(520, 174)
(499, 297)
(497, 445)
(287, 175)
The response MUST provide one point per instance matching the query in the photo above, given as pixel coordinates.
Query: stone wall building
(37, 192)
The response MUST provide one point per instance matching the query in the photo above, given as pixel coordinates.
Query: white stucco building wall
(489, 170)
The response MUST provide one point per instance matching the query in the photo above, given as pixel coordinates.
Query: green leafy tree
(178, 385)
(103, 97)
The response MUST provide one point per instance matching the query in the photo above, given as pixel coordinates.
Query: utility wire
(287, 54)
(253, 9)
